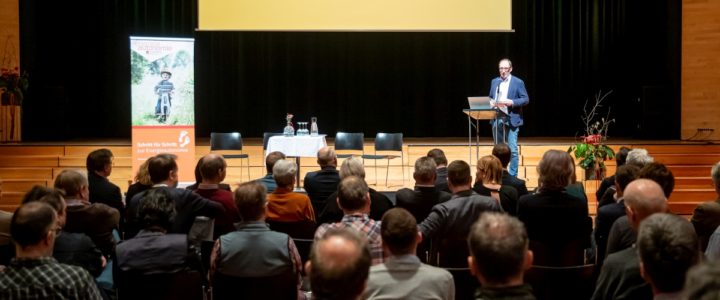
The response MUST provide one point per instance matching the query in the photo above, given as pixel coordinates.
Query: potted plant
(591, 150)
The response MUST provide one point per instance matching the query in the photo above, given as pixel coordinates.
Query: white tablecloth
(296, 146)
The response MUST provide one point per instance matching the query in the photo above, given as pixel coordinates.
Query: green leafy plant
(591, 151)
(12, 81)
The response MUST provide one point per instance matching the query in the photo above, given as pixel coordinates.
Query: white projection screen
(355, 15)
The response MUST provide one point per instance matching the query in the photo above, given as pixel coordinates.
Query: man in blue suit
(509, 95)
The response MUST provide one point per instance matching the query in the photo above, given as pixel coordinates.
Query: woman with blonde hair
(142, 182)
(488, 181)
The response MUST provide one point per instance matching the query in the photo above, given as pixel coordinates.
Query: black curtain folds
(415, 83)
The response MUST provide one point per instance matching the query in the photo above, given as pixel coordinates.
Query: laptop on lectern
(479, 102)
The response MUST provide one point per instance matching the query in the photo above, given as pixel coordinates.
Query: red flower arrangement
(591, 151)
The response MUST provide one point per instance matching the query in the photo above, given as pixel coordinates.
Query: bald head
(643, 197)
(326, 157)
(212, 168)
(339, 265)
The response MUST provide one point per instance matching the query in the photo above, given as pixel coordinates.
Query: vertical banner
(162, 81)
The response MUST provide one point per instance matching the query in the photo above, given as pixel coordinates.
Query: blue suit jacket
(517, 93)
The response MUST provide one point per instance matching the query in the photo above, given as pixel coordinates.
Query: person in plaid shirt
(354, 200)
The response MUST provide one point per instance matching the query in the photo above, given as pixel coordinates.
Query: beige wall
(700, 79)
(9, 33)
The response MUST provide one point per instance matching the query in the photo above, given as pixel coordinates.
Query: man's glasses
(503, 68)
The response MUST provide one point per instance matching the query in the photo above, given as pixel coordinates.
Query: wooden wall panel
(700, 76)
(10, 30)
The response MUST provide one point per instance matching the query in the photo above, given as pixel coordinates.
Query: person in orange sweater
(284, 205)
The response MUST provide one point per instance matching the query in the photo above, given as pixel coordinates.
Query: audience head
(499, 250)
(425, 173)
(459, 178)
(624, 175)
(157, 210)
(638, 157)
(643, 197)
(36, 192)
(284, 173)
(34, 225)
(715, 174)
(250, 199)
(143, 175)
(339, 265)
(661, 174)
(163, 169)
(703, 281)
(213, 168)
(399, 231)
(621, 156)
(99, 162)
(502, 152)
(326, 157)
(489, 170)
(271, 159)
(667, 247)
(353, 166)
(353, 195)
(198, 173)
(56, 200)
(438, 156)
(74, 184)
(555, 170)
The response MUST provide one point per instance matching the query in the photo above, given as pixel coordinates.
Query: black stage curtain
(415, 83)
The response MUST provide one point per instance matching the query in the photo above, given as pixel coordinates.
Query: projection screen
(354, 15)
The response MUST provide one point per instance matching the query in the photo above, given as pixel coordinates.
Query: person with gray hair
(667, 247)
(638, 157)
(620, 276)
(97, 220)
(420, 200)
(379, 203)
(703, 281)
(500, 255)
(284, 205)
(706, 217)
(339, 265)
(319, 185)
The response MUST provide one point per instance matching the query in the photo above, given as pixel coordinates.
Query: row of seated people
(449, 219)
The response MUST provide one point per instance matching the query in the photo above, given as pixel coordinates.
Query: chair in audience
(230, 142)
(451, 254)
(303, 246)
(281, 286)
(349, 141)
(569, 282)
(387, 142)
(179, 285)
(301, 232)
(558, 254)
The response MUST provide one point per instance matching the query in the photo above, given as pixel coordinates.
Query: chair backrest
(349, 141)
(225, 141)
(303, 247)
(300, 229)
(267, 136)
(558, 254)
(180, 285)
(571, 282)
(388, 141)
(282, 286)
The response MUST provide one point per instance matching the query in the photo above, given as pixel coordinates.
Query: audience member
(620, 275)
(97, 220)
(199, 178)
(553, 216)
(706, 217)
(6, 246)
(284, 205)
(212, 172)
(703, 281)
(488, 183)
(502, 152)
(638, 157)
(712, 252)
(354, 200)
(33, 273)
(500, 255)
(339, 265)
(71, 248)
(379, 203)
(253, 250)
(268, 181)
(319, 185)
(163, 172)
(421, 200)
(659, 173)
(142, 182)
(442, 172)
(609, 182)
(99, 165)
(606, 215)
(403, 276)
(667, 247)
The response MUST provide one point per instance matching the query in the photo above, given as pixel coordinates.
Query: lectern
(478, 114)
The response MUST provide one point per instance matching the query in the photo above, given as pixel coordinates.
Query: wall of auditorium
(9, 31)
(700, 77)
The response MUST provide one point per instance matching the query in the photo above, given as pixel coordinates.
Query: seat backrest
(572, 282)
(558, 253)
(267, 136)
(180, 285)
(300, 229)
(282, 286)
(388, 141)
(303, 247)
(349, 141)
(225, 141)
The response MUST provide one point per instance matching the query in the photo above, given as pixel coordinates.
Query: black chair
(229, 142)
(558, 254)
(281, 286)
(570, 282)
(301, 232)
(451, 254)
(266, 138)
(345, 141)
(179, 285)
(304, 246)
(388, 142)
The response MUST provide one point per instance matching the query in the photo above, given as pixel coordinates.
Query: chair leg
(248, 168)
(375, 171)
(402, 162)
